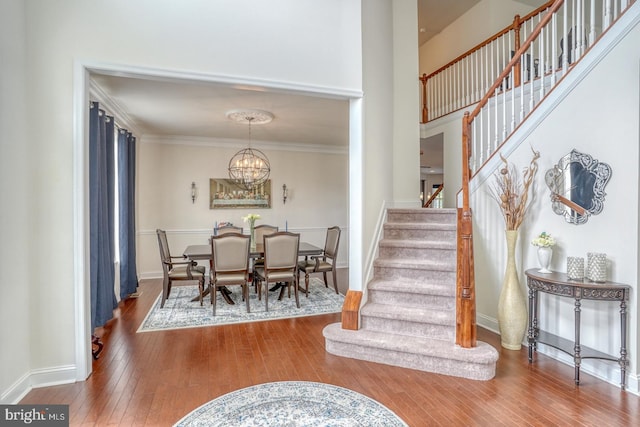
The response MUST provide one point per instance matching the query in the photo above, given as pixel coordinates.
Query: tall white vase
(512, 307)
(252, 234)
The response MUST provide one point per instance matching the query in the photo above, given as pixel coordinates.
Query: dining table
(203, 252)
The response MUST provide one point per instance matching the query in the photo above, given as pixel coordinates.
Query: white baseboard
(36, 379)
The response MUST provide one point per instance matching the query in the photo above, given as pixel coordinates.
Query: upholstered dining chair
(173, 269)
(229, 264)
(280, 263)
(228, 229)
(259, 232)
(324, 263)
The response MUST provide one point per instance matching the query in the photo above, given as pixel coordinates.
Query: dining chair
(228, 229)
(280, 263)
(229, 264)
(259, 232)
(173, 269)
(323, 263)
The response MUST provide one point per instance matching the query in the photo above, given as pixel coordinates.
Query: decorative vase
(252, 233)
(544, 258)
(512, 307)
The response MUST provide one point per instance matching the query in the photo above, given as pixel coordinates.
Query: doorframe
(81, 82)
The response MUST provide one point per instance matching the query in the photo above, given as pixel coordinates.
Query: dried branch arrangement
(511, 193)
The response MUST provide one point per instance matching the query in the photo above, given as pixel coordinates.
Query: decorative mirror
(577, 186)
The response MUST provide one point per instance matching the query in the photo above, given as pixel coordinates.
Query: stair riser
(410, 329)
(419, 234)
(422, 217)
(412, 300)
(399, 252)
(469, 370)
(435, 276)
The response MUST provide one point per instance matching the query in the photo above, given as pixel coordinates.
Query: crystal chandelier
(249, 167)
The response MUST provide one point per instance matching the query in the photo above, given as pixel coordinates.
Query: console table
(558, 284)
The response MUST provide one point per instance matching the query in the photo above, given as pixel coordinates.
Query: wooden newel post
(425, 113)
(516, 46)
(465, 277)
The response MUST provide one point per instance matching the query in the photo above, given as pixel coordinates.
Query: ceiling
(194, 109)
(436, 15)
(197, 109)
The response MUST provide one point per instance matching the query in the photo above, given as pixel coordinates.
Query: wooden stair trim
(351, 309)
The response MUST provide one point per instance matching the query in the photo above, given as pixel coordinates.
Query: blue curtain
(101, 215)
(126, 202)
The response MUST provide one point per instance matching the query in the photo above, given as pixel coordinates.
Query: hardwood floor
(155, 378)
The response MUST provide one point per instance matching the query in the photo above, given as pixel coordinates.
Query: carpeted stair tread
(409, 314)
(420, 226)
(425, 264)
(418, 244)
(433, 211)
(413, 287)
(482, 354)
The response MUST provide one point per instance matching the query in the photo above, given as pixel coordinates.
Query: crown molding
(241, 143)
(108, 104)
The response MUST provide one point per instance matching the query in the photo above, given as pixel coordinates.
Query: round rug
(292, 403)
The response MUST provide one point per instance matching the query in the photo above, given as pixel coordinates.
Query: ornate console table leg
(623, 343)
(576, 349)
(533, 322)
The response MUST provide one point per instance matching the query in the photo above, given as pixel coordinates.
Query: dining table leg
(223, 291)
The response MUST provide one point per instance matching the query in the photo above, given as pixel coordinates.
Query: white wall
(485, 19)
(301, 42)
(406, 120)
(317, 184)
(16, 266)
(600, 117)
(377, 57)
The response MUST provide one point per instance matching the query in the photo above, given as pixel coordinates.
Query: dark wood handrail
(433, 196)
(515, 60)
(516, 24)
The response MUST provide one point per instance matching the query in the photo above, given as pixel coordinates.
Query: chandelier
(249, 167)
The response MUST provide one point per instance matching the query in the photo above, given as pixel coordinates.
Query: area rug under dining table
(292, 403)
(180, 311)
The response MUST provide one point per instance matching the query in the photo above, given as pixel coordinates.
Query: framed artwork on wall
(226, 194)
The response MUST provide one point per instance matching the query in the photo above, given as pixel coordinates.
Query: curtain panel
(126, 203)
(101, 215)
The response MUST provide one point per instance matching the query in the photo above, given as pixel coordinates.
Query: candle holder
(597, 267)
(575, 268)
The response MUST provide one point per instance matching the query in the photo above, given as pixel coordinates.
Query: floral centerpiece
(251, 219)
(544, 240)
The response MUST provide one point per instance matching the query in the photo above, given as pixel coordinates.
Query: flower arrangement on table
(511, 194)
(544, 240)
(251, 219)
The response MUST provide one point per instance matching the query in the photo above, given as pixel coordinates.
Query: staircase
(409, 318)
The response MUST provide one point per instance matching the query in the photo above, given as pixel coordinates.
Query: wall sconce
(285, 193)
(193, 192)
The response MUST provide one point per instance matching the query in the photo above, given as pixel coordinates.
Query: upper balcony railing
(466, 79)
